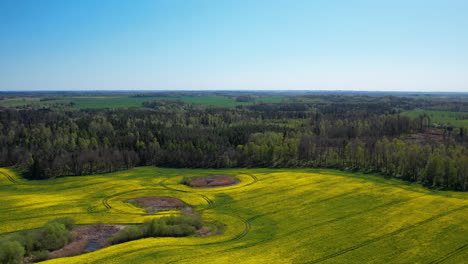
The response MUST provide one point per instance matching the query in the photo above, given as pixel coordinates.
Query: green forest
(367, 132)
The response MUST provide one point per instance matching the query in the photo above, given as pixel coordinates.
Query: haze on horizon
(236, 45)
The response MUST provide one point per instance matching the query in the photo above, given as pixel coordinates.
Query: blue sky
(409, 45)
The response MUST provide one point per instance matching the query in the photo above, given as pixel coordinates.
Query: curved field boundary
(172, 189)
(9, 178)
(254, 178)
(93, 209)
(208, 201)
(219, 188)
(247, 228)
(249, 221)
(450, 254)
(244, 232)
(105, 200)
(370, 241)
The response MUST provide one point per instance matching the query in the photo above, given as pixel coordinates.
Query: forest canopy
(369, 133)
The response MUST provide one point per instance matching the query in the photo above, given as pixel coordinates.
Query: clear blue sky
(409, 45)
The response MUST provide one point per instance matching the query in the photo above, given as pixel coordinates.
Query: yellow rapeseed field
(271, 216)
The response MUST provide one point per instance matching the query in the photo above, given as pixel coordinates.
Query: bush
(52, 236)
(11, 252)
(68, 222)
(153, 228)
(128, 234)
(187, 181)
(195, 222)
(186, 229)
(26, 239)
(171, 226)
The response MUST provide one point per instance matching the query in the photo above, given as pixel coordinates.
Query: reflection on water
(93, 245)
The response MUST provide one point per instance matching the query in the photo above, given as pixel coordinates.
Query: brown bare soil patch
(211, 181)
(74, 248)
(158, 202)
(87, 239)
(204, 230)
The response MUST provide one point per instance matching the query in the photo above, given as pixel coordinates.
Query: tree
(11, 252)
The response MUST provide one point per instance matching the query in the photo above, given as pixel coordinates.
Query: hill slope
(271, 216)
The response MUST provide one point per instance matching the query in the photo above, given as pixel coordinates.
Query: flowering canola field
(271, 216)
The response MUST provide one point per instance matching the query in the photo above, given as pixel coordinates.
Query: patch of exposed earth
(212, 181)
(204, 231)
(159, 203)
(87, 239)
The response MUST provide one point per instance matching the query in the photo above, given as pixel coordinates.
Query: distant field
(442, 117)
(272, 216)
(118, 102)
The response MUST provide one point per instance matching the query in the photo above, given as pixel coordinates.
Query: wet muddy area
(87, 239)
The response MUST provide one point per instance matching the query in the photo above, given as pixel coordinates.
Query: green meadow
(457, 119)
(127, 102)
(271, 216)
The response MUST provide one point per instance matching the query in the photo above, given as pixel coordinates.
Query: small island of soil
(155, 203)
(211, 181)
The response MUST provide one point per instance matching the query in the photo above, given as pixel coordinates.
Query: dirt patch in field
(203, 231)
(211, 181)
(87, 239)
(158, 202)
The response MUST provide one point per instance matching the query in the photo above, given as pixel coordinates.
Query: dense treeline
(342, 132)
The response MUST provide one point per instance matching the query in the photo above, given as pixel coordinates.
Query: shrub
(127, 234)
(26, 239)
(11, 252)
(195, 222)
(68, 222)
(186, 229)
(170, 226)
(187, 181)
(153, 228)
(52, 236)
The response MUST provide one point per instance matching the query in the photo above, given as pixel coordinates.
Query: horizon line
(231, 90)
